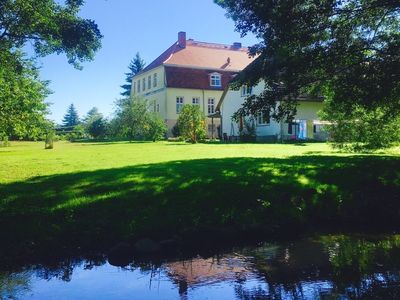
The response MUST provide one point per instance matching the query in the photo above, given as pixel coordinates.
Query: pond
(321, 267)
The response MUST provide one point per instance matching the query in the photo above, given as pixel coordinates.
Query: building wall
(188, 95)
(307, 111)
(160, 81)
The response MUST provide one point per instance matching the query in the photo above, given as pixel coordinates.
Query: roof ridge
(191, 42)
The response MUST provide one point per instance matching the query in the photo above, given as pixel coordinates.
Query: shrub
(192, 123)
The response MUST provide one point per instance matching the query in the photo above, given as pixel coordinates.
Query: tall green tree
(134, 120)
(22, 98)
(71, 118)
(348, 50)
(92, 113)
(94, 123)
(50, 27)
(136, 65)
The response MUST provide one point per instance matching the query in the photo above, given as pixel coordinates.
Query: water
(323, 267)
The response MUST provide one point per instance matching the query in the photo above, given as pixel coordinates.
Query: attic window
(215, 79)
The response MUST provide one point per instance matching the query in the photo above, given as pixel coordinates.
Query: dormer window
(215, 79)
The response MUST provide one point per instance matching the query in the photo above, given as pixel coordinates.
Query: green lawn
(84, 194)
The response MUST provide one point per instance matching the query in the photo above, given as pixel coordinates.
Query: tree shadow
(104, 206)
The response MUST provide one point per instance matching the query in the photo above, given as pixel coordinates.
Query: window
(246, 91)
(134, 87)
(149, 82)
(155, 80)
(144, 84)
(263, 118)
(215, 79)
(179, 104)
(158, 107)
(211, 105)
(196, 101)
(138, 86)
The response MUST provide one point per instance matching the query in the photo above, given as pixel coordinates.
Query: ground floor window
(179, 104)
(195, 100)
(263, 118)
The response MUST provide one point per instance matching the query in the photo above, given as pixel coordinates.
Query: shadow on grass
(106, 206)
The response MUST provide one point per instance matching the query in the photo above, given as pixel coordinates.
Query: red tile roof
(203, 55)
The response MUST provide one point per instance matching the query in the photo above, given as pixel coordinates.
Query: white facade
(305, 126)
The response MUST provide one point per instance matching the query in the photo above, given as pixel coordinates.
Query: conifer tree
(71, 118)
(136, 65)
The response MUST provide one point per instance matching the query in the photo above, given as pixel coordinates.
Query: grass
(89, 194)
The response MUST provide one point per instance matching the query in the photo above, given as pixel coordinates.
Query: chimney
(182, 39)
(237, 45)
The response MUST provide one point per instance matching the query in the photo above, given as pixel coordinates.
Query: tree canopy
(136, 65)
(192, 123)
(348, 50)
(135, 120)
(22, 95)
(50, 27)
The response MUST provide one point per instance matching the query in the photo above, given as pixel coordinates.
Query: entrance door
(302, 133)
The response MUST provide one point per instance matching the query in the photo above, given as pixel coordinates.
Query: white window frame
(155, 80)
(134, 87)
(144, 84)
(196, 101)
(138, 86)
(211, 105)
(261, 119)
(149, 82)
(215, 80)
(179, 104)
(246, 91)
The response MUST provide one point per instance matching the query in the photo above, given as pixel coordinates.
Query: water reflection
(325, 267)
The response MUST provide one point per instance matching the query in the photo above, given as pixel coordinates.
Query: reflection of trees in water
(63, 269)
(331, 266)
(13, 285)
(325, 267)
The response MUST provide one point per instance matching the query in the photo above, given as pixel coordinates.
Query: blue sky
(129, 26)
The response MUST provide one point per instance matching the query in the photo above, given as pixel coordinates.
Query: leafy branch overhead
(347, 50)
(49, 27)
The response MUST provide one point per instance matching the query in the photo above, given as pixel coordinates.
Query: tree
(50, 27)
(361, 130)
(135, 121)
(96, 127)
(136, 65)
(192, 123)
(22, 95)
(71, 118)
(157, 127)
(92, 113)
(347, 50)
(95, 124)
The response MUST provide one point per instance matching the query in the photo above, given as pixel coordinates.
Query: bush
(362, 130)
(192, 123)
(135, 121)
(49, 140)
(96, 127)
